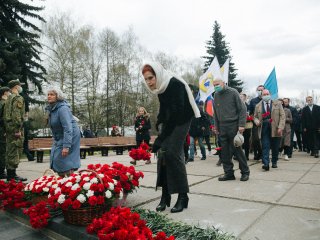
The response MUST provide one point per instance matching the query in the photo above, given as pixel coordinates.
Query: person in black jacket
(311, 126)
(177, 107)
(142, 126)
(256, 144)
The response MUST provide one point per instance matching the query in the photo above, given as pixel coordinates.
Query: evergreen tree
(217, 46)
(19, 45)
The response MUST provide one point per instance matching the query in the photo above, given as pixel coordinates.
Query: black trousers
(207, 139)
(227, 134)
(313, 140)
(246, 144)
(256, 144)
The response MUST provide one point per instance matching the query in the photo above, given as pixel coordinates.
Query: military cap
(13, 83)
(3, 90)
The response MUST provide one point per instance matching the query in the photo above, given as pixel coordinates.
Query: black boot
(10, 174)
(165, 197)
(18, 178)
(181, 203)
(165, 200)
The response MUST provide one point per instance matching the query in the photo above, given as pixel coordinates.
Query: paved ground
(283, 203)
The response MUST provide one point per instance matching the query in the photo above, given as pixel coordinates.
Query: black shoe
(316, 155)
(190, 160)
(181, 203)
(274, 166)
(257, 158)
(265, 167)
(300, 150)
(31, 159)
(235, 158)
(203, 158)
(165, 201)
(217, 153)
(244, 177)
(18, 178)
(289, 156)
(227, 178)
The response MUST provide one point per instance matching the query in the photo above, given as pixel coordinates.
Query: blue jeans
(268, 143)
(201, 145)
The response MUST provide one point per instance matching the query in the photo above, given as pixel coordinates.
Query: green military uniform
(13, 118)
(2, 140)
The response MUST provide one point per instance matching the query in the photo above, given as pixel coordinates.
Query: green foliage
(182, 231)
(19, 45)
(217, 46)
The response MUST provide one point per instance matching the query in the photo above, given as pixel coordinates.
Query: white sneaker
(286, 158)
(209, 153)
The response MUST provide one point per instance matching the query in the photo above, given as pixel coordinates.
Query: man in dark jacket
(311, 126)
(230, 118)
(256, 144)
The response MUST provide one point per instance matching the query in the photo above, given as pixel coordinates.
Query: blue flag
(272, 85)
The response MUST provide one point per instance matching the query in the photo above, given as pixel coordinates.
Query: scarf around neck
(163, 79)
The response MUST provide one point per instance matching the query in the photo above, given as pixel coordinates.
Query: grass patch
(182, 231)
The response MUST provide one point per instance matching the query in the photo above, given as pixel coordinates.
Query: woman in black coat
(177, 107)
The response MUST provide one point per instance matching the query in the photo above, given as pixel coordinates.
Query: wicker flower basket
(84, 215)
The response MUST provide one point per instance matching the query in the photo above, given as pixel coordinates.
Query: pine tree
(217, 46)
(19, 45)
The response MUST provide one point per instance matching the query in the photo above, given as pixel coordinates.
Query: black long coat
(142, 126)
(175, 114)
(311, 120)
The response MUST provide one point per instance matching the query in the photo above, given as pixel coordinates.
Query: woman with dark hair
(177, 107)
(65, 151)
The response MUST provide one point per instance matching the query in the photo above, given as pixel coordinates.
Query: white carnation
(94, 180)
(111, 186)
(49, 184)
(115, 182)
(108, 194)
(69, 184)
(49, 195)
(45, 189)
(81, 198)
(86, 186)
(101, 175)
(87, 179)
(61, 198)
(57, 190)
(121, 195)
(75, 187)
(54, 185)
(78, 178)
(90, 193)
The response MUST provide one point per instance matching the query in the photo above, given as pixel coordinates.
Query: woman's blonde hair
(145, 113)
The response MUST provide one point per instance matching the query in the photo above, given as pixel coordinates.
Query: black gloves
(156, 145)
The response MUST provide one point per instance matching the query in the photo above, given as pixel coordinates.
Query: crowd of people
(238, 127)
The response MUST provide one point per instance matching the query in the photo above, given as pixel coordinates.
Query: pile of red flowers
(141, 153)
(267, 116)
(39, 215)
(122, 224)
(12, 195)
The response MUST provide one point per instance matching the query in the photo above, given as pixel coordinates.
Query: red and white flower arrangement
(122, 224)
(41, 186)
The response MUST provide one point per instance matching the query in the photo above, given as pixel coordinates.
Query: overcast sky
(262, 33)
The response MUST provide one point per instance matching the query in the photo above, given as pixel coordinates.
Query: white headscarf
(163, 78)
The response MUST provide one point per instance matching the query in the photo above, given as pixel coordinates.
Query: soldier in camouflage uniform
(14, 111)
(4, 93)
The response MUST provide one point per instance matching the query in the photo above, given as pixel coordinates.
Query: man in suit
(311, 125)
(270, 118)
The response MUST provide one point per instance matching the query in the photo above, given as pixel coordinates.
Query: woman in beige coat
(286, 137)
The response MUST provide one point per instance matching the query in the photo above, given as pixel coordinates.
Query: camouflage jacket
(2, 129)
(14, 113)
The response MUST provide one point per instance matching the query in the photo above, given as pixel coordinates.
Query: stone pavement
(283, 203)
